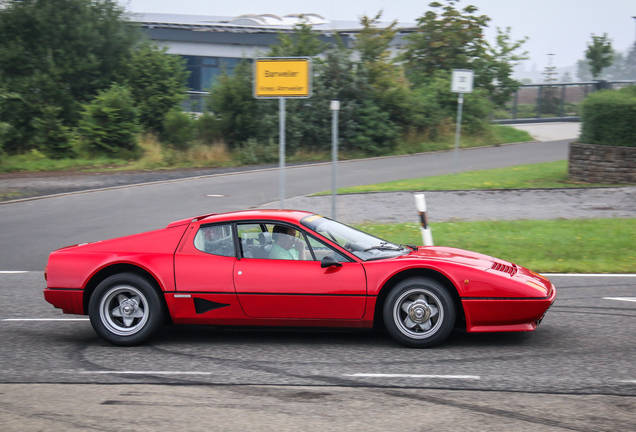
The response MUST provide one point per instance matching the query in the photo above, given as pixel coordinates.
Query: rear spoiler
(188, 220)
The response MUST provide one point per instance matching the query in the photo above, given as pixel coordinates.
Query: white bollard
(420, 205)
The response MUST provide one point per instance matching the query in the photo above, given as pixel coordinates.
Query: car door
(270, 287)
(204, 265)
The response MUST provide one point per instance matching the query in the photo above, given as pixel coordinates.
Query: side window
(272, 241)
(289, 244)
(256, 240)
(215, 240)
(321, 250)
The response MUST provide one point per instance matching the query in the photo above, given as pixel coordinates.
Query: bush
(251, 152)
(51, 136)
(109, 124)
(608, 118)
(178, 130)
(208, 129)
(436, 107)
(4, 128)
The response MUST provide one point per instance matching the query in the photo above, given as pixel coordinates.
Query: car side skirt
(225, 309)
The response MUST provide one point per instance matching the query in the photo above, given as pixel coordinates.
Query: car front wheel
(125, 309)
(419, 312)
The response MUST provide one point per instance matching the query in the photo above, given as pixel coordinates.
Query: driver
(285, 244)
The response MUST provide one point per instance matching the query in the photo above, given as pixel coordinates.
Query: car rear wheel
(125, 309)
(419, 312)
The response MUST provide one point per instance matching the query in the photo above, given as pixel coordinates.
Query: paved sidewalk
(396, 207)
(551, 131)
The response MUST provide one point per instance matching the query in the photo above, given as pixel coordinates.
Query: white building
(212, 43)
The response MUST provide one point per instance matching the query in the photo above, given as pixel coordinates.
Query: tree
(599, 54)
(11, 123)
(623, 67)
(303, 41)
(583, 71)
(239, 114)
(59, 53)
(499, 65)
(388, 84)
(109, 123)
(157, 82)
(372, 44)
(446, 39)
(364, 126)
(630, 64)
(549, 101)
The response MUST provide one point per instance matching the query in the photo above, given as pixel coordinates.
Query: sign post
(335, 108)
(462, 82)
(281, 78)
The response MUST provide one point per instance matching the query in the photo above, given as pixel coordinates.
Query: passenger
(285, 244)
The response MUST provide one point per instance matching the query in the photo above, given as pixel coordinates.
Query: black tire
(125, 309)
(419, 312)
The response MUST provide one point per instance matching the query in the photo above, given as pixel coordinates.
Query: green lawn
(542, 175)
(551, 246)
(568, 246)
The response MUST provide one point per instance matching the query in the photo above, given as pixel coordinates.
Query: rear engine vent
(505, 268)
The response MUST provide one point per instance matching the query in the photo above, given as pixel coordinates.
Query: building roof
(252, 23)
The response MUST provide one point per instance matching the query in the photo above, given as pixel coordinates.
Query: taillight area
(46, 273)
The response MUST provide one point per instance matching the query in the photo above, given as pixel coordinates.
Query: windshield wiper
(384, 247)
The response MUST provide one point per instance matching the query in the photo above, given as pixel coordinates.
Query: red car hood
(459, 256)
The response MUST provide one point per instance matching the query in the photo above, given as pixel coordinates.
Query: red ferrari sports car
(289, 268)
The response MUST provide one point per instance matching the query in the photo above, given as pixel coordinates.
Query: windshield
(363, 245)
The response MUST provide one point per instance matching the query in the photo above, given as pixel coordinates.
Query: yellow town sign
(277, 77)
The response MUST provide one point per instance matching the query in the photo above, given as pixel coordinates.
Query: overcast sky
(561, 27)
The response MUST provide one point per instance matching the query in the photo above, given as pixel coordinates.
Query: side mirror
(329, 261)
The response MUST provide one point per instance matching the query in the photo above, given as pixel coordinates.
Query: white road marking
(628, 381)
(143, 373)
(46, 319)
(371, 375)
(12, 271)
(627, 299)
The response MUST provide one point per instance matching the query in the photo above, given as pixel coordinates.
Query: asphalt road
(575, 372)
(30, 230)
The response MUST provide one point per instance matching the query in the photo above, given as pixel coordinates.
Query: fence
(545, 102)
(551, 102)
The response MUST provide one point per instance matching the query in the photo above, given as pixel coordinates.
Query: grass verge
(542, 175)
(157, 156)
(550, 246)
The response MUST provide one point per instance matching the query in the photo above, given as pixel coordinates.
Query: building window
(204, 71)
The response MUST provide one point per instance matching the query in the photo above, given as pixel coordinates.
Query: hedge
(608, 117)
